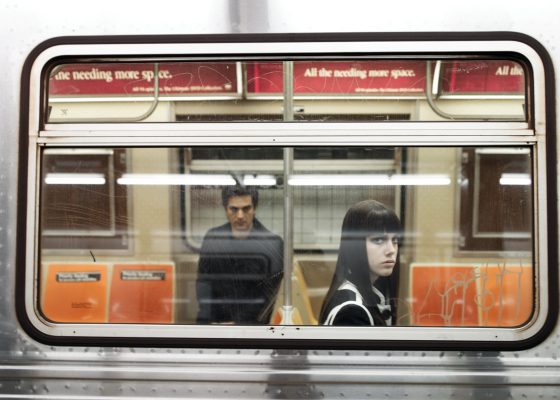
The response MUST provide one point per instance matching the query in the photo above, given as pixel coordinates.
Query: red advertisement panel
(322, 78)
(314, 78)
(175, 79)
(483, 77)
(265, 78)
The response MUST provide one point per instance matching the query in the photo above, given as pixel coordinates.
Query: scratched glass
(144, 235)
(343, 90)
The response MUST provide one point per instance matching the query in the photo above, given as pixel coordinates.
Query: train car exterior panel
(33, 369)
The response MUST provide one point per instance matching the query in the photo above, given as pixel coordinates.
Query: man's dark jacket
(238, 279)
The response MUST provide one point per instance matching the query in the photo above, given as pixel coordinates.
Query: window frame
(538, 132)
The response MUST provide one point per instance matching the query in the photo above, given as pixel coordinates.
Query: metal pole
(287, 307)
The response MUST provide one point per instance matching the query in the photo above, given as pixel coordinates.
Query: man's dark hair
(238, 190)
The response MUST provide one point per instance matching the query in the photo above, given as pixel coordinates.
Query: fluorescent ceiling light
(369, 180)
(73, 152)
(177, 179)
(503, 150)
(420, 180)
(515, 179)
(74, 179)
(259, 180)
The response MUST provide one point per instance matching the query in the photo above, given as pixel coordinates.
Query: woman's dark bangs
(382, 222)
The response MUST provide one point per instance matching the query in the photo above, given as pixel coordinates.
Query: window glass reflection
(196, 235)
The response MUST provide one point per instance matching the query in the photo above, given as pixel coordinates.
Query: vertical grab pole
(287, 307)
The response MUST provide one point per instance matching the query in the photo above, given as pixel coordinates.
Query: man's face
(240, 213)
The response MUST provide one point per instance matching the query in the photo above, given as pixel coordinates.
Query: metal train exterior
(43, 360)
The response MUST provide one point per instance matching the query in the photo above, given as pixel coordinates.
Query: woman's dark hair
(366, 218)
(239, 190)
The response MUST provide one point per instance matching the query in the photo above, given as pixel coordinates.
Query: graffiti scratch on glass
(470, 295)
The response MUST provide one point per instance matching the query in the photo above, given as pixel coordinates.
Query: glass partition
(195, 235)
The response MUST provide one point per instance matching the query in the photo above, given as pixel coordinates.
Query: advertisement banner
(311, 78)
(499, 77)
(138, 79)
(355, 78)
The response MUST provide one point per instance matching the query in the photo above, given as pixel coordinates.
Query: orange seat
(302, 312)
(470, 295)
(75, 292)
(506, 297)
(142, 293)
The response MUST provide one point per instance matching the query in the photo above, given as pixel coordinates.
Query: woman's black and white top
(347, 307)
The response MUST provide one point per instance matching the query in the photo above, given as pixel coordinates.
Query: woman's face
(382, 254)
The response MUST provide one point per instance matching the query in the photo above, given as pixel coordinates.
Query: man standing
(240, 265)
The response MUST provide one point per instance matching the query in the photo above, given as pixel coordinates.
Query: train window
(372, 194)
(235, 280)
(320, 91)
